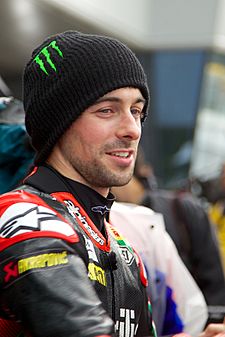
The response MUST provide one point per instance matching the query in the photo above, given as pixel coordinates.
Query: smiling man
(70, 271)
(99, 149)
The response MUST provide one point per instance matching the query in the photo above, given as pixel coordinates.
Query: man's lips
(121, 153)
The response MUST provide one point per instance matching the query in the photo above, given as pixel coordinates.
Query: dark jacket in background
(187, 223)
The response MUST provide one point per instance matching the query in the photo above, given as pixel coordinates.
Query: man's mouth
(120, 154)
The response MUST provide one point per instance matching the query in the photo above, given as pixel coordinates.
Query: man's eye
(105, 111)
(137, 113)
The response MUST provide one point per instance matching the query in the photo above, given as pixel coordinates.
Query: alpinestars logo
(100, 209)
(25, 217)
(30, 220)
(126, 327)
(75, 212)
(45, 53)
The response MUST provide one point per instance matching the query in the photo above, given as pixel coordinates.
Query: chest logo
(75, 212)
(126, 255)
(126, 325)
(90, 249)
(96, 273)
(100, 209)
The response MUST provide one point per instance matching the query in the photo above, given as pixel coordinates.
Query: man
(64, 270)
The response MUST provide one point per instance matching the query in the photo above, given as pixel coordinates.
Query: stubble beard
(99, 175)
(94, 172)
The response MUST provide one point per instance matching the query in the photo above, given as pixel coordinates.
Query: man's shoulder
(24, 214)
(22, 194)
(20, 199)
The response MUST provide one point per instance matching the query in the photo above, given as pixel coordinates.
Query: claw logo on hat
(46, 53)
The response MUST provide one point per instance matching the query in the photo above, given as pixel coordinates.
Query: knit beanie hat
(66, 74)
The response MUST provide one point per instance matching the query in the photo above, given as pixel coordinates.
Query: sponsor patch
(100, 209)
(126, 255)
(125, 249)
(126, 326)
(115, 234)
(30, 218)
(96, 273)
(14, 269)
(75, 212)
(90, 249)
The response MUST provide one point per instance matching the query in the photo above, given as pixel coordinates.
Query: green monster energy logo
(47, 55)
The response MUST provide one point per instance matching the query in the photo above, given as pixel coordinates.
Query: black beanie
(67, 73)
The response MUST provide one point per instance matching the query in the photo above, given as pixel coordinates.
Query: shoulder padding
(25, 215)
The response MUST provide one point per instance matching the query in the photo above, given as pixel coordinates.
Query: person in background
(178, 304)
(63, 269)
(16, 154)
(216, 211)
(188, 224)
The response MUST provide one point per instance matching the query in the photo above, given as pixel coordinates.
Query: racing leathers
(64, 270)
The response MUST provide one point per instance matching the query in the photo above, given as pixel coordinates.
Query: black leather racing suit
(49, 245)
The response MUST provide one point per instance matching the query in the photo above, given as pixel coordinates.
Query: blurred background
(181, 45)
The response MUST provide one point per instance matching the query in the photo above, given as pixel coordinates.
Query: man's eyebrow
(141, 100)
(117, 99)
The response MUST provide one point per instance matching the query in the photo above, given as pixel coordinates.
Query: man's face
(99, 149)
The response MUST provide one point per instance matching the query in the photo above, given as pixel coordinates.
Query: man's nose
(129, 127)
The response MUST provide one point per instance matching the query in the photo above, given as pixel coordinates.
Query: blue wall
(175, 79)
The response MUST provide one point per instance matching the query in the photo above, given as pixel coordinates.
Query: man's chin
(122, 182)
(112, 178)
